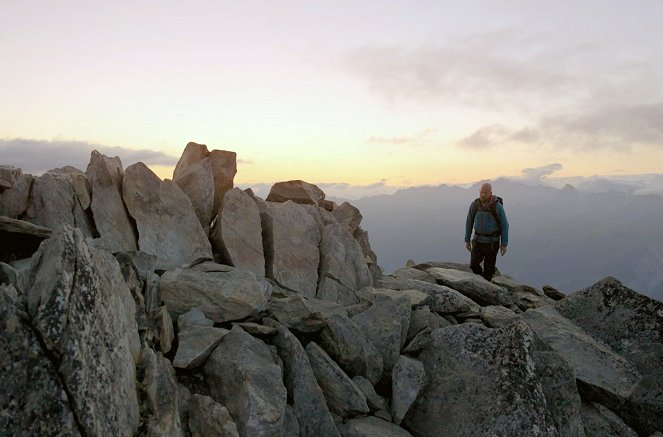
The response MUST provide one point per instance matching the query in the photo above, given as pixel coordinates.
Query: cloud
(39, 156)
(536, 174)
(333, 190)
(404, 140)
(486, 137)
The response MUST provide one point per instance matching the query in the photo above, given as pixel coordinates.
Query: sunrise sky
(358, 93)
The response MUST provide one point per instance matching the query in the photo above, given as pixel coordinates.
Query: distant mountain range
(565, 237)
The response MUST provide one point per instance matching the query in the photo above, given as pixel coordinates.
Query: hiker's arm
(469, 222)
(505, 227)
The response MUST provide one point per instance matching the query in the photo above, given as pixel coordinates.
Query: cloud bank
(38, 156)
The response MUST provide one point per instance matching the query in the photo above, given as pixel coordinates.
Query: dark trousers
(486, 252)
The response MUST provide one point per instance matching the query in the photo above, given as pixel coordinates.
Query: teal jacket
(484, 223)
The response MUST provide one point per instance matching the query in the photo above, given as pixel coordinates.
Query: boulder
(346, 343)
(196, 339)
(343, 397)
(33, 400)
(243, 374)
(371, 426)
(443, 299)
(412, 273)
(20, 239)
(303, 315)
(209, 418)
(222, 296)
(553, 293)
(237, 232)
(603, 374)
(385, 325)
(14, 198)
(83, 313)
(372, 295)
(348, 216)
(161, 391)
(524, 296)
(167, 225)
(480, 381)
(423, 318)
(407, 380)
(473, 286)
(290, 242)
(57, 199)
(297, 191)
(374, 401)
(496, 316)
(110, 215)
(632, 325)
(197, 182)
(308, 402)
(600, 421)
(223, 165)
(343, 268)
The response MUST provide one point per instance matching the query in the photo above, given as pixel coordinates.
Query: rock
(480, 381)
(523, 295)
(308, 401)
(407, 380)
(385, 325)
(194, 318)
(371, 294)
(197, 182)
(196, 343)
(419, 342)
(57, 199)
(83, 313)
(412, 273)
(243, 375)
(632, 325)
(343, 397)
(110, 215)
(163, 416)
(496, 316)
(553, 293)
(167, 225)
(303, 315)
(374, 401)
(237, 232)
(443, 299)
(290, 242)
(600, 421)
(165, 332)
(559, 387)
(20, 239)
(223, 164)
(14, 199)
(222, 296)
(444, 265)
(256, 329)
(605, 375)
(423, 318)
(346, 343)
(348, 216)
(183, 400)
(473, 286)
(291, 426)
(33, 400)
(371, 426)
(297, 191)
(209, 418)
(343, 269)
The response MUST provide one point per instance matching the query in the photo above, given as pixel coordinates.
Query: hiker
(491, 231)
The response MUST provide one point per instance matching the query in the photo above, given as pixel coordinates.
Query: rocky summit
(135, 306)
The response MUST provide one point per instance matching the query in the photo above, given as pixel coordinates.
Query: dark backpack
(493, 211)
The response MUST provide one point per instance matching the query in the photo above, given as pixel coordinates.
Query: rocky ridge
(135, 306)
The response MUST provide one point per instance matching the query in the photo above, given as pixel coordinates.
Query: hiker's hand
(502, 250)
(468, 246)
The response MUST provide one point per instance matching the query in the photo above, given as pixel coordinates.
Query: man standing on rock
(491, 231)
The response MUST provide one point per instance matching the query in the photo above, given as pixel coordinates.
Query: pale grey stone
(371, 426)
(407, 380)
(160, 384)
(209, 418)
(473, 286)
(290, 242)
(374, 401)
(222, 296)
(443, 299)
(308, 402)
(14, 200)
(497, 316)
(524, 296)
(167, 225)
(480, 381)
(195, 344)
(237, 232)
(297, 191)
(110, 215)
(371, 294)
(423, 318)
(348, 215)
(343, 396)
(243, 375)
(84, 314)
(197, 182)
(302, 314)
(347, 344)
(194, 318)
(600, 421)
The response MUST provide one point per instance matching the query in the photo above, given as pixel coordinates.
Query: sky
(359, 97)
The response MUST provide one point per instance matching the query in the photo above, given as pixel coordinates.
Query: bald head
(485, 192)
